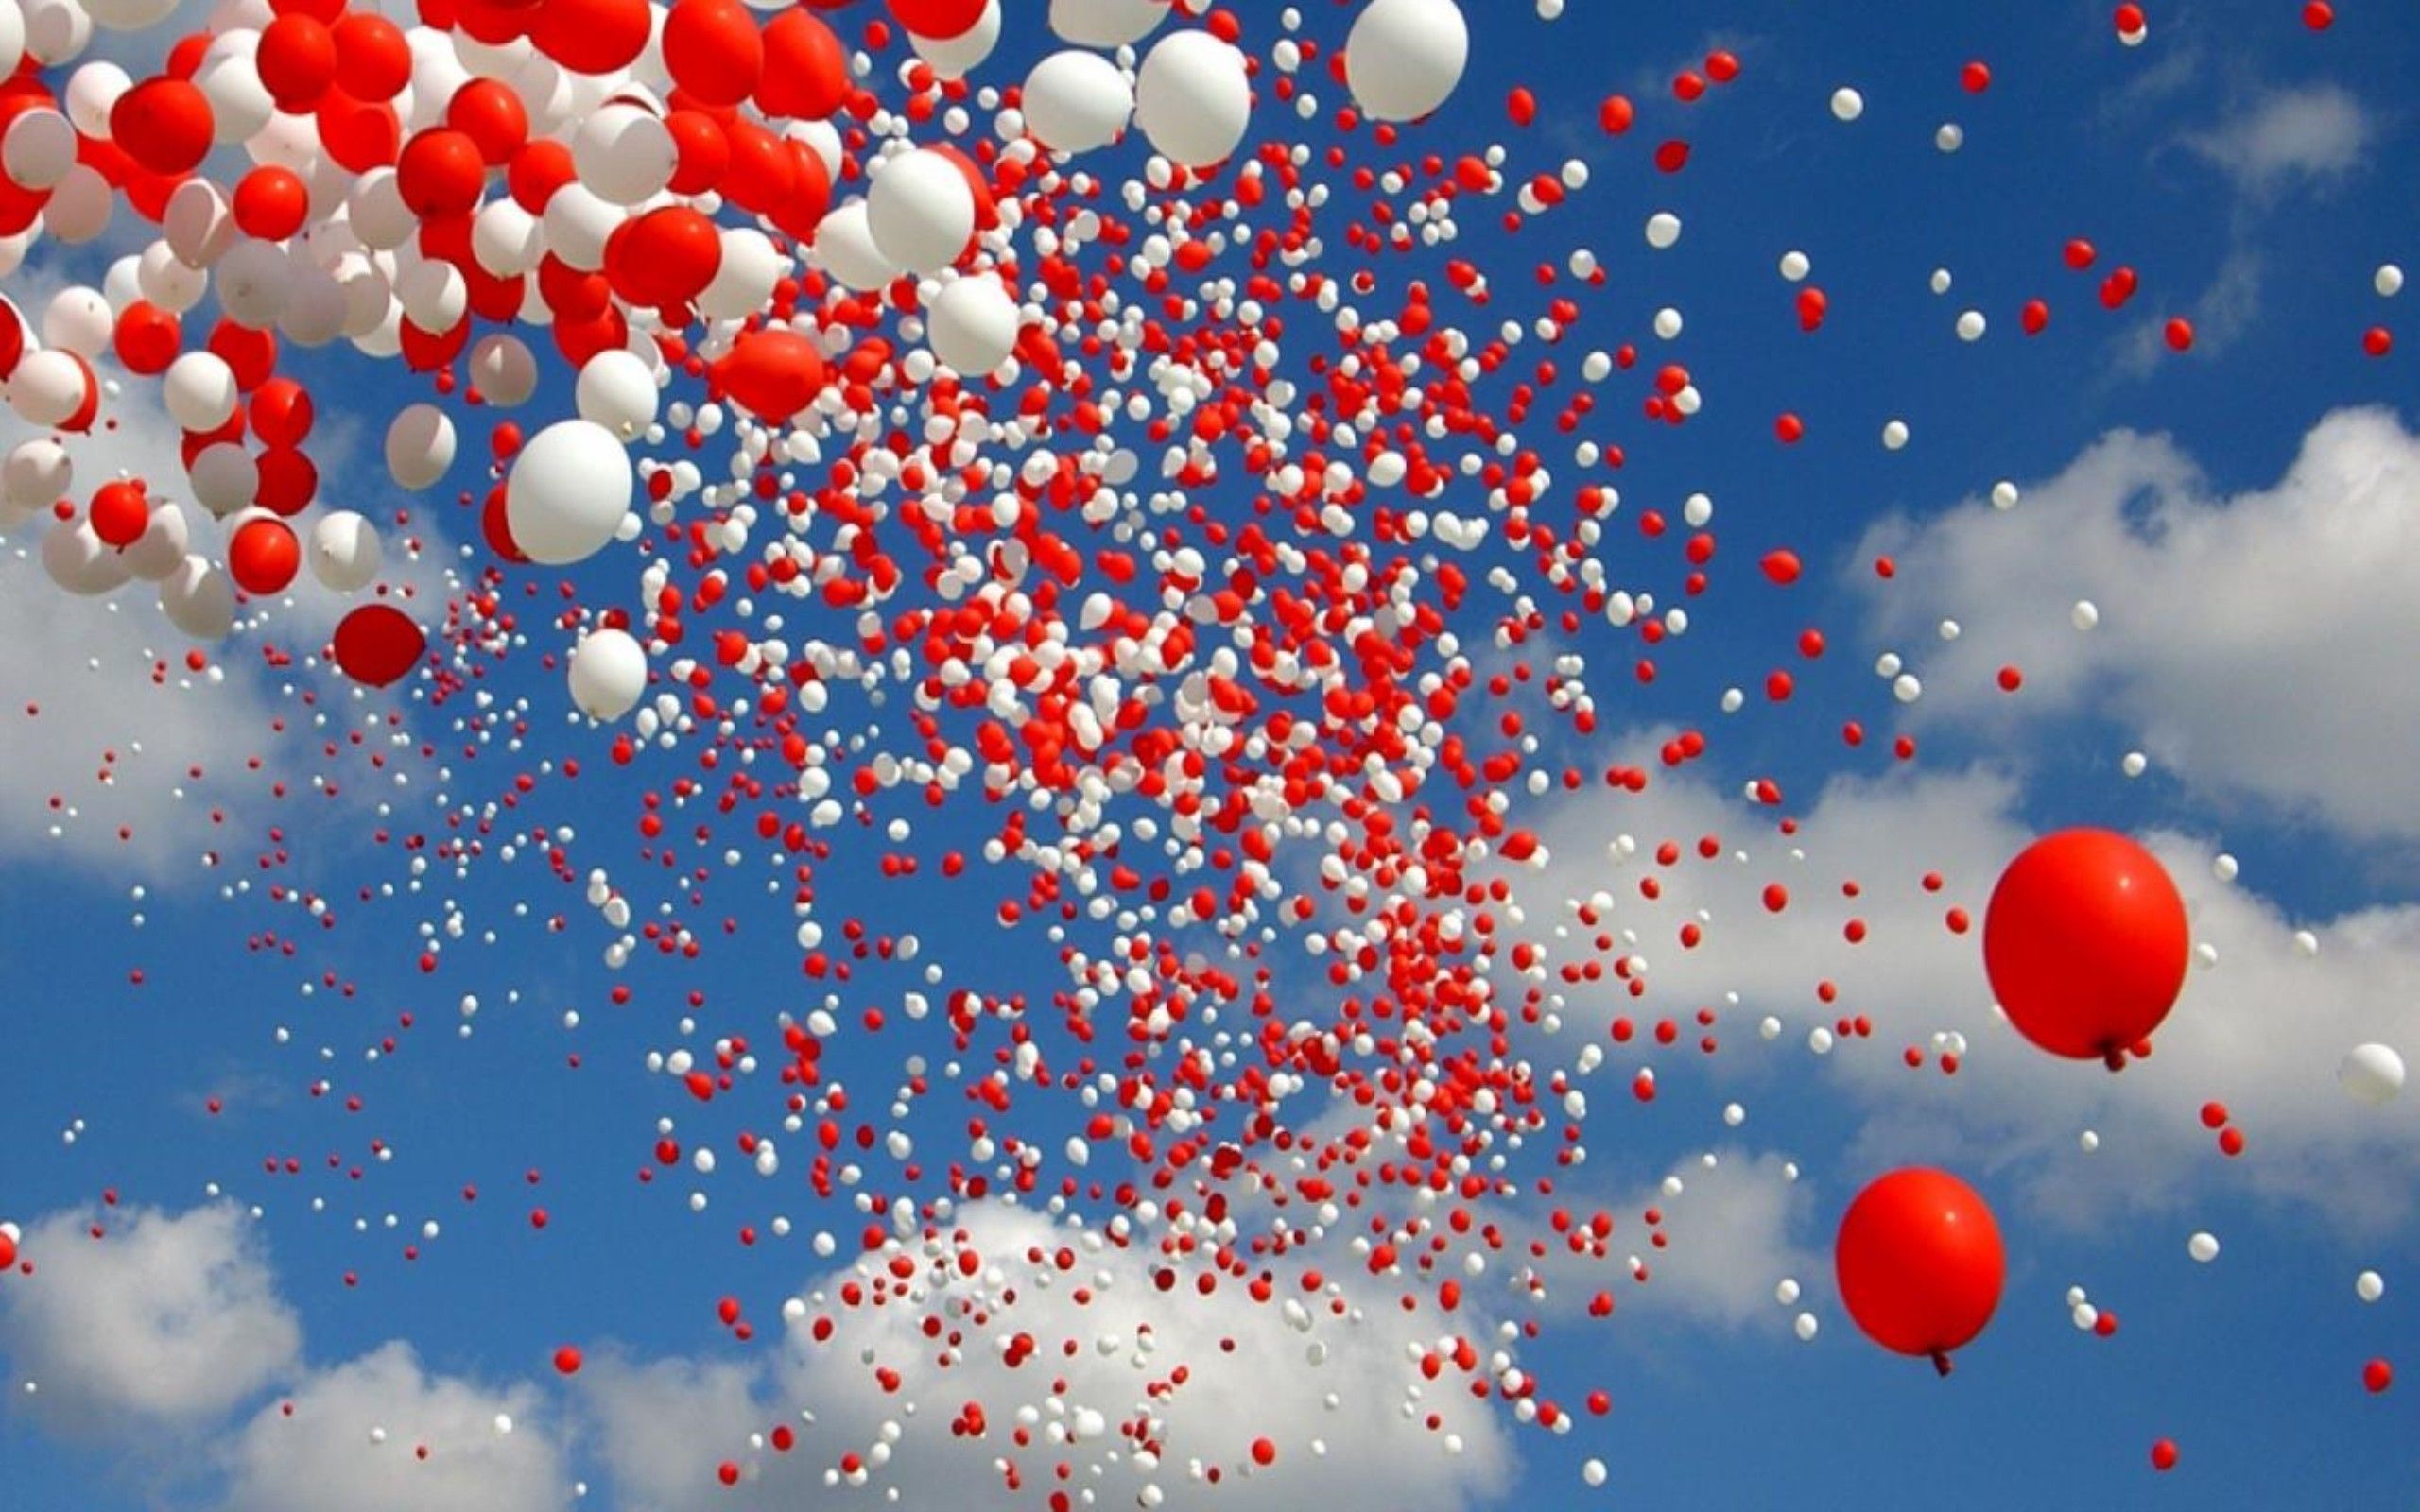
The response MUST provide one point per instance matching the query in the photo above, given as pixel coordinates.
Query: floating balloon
(420, 445)
(973, 324)
(1077, 101)
(608, 673)
(378, 644)
(921, 212)
(774, 372)
(1920, 1263)
(344, 551)
(1192, 98)
(569, 491)
(1106, 24)
(262, 557)
(2085, 943)
(2371, 1074)
(1403, 58)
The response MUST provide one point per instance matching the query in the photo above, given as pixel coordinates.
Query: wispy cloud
(2288, 138)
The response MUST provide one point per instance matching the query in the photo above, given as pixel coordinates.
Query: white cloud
(2316, 132)
(2261, 1031)
(2251, 644)
(1250, 1374)
(323, 1457)
(169, 1321)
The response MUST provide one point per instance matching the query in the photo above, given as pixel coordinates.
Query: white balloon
(920, 211)
(577, 223)
(252, 280)
(199, 392)
(167, 281)
(49, 386)
(1077, 101)
(12, 37)
(569, 490)
(1106, 22)
(435, 296)
(79, 208)
(624, 153)
(420, 445)
(225, 478)
(972, 325)
(744, 279)
(55, 30)
(2371, 1074)
(344, 551)
(314, 305)
(39, 149)
(240, 106)
(504, 238)
(198, 225)
(35, 474)
(198, 599)
(957, 57)
(503, 370)
(91, 89)
(80, 561)
(376, 210)
(80, 320)
(608, 673)
(616, 390)
(129, 15)
(161, 547)
(1192, 98)
(844, 247)
(1403, 58)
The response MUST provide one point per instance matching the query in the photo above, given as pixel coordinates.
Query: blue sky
(2237, 513)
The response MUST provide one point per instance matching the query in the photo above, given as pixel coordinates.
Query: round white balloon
(569, 490)
(1403, 58)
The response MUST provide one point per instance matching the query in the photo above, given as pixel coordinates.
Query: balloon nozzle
(1940, 1362)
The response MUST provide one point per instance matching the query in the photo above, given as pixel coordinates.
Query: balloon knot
(2114, 1059)
(1940, 1362)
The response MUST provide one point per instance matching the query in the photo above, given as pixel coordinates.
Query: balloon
(1403, 58)
(78, 319)
(713, 50)
(665, 258)
(253, 281)
(608, 673)
(942, 19)
(744, 279)
(806, 71)
(296, 61)
(2085, 944)
(49, 388)
(1920, 1263)
(36, 474)
(2371, 1074)
(164, 123)
(492, 116)
(593, 35)
(344, 551)
(503, 370)
(972, 325)
(377, 644)
(616, 390)
(39, 149)
(373, 59)
(281, 412)
(845, 248)
(1106, 24)
(1077, 101)
(774, 372)
(625, 154)
(166, 538)
(224, 478)
(263, 556)
(198, 599)
(120, 513)
(80, 561)
(1192, 98)
(420, 445)
(919, 211)
(957, 57)
(569, 492)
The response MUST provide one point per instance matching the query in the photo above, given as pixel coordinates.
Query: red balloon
(665, 258)
(593, 35)
(271, 203)
(359, 136)
(252, 354)
(938, 19)
(120, 512)
(164, 123)
(498, 529)
(1920, 1263)
(774, 372)
(374, 61)
(440, 173)
(713, 50)
(288, 480)
(13, 335)
(147, 340)
(262, 557)
(281, 412)
(705, 151)
(377, 644)
(806, 72)
(492, 116)
(297, 61)
(2085, 944)
(8, 1251)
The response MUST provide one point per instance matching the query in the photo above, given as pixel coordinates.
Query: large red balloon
(164, 123)
(2085, 944)
(939, 19)
(774, 372)
(713, 50)
(377, 644)
(1920, 1263)
(806, 70)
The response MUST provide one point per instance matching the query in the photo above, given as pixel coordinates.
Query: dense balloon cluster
(949, 499)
